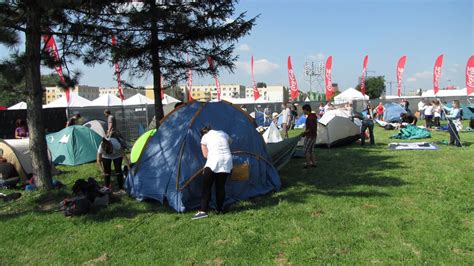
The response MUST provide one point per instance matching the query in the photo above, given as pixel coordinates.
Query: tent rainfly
(337, 127)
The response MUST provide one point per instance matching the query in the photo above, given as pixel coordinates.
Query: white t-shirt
(116, 152)
(428, 109)
(421, 105)
(285, 113)
(219, 157)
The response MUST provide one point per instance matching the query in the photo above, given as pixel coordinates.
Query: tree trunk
(34, 98)
(155, 62)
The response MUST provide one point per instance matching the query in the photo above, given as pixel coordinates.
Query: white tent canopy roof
(75, 101)
(18, 106)
(168, 99)
(107, 100)
(349, 95)
(445, 93)
(138, 99)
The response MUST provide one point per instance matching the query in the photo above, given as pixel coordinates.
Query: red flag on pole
(437, 73)
(218, 86)
(117, 72)
(362, 78)
(190, 80)
(50, 45)
(400, 69)
(470, 75)
(292, 79)
(256, 93)
(328, 79)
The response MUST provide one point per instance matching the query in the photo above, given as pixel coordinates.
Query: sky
(312, 30)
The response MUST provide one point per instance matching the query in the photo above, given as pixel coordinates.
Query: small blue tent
(170, 164)
(300, 122)
(392, 112)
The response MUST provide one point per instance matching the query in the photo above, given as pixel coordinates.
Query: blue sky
(311, 30)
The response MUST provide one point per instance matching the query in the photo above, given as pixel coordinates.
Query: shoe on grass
(199, 215)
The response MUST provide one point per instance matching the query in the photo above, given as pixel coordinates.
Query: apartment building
(127, 92)
(209, 92)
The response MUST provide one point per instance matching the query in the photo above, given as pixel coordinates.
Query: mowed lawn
(365, 205)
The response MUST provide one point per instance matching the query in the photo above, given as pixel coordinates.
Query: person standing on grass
(285, 114)
(428, 114)
(110, 151)
(310, 135)
(215, 147)
(454, 123)
(379, 111)
(21, 130)
(367, 123)
(111, 123)
(437, 110)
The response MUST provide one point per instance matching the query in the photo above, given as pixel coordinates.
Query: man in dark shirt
(408, 118)
(310, 135)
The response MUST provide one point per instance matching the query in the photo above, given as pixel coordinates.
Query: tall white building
(275, 93)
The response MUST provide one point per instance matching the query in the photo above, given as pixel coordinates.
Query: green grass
(365, 205)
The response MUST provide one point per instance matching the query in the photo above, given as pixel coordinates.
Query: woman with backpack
(110, 151)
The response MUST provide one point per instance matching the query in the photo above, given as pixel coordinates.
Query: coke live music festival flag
(328, 79)
(470, 75)
(437, 73)
(218, 86)
(256, 94)
(362, 78)
(190, 80)
(400, 69)
(117, 71)
(293, 85)
(50, 45)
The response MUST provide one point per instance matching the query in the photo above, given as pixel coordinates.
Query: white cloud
(261, 67)
(317, 57)
(412, 79)
(244, 48)
(424, 75)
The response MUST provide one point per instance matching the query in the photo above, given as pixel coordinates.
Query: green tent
(73, 145)
(139, 144)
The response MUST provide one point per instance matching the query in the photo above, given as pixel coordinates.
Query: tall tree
(157, 38)
(374, 86)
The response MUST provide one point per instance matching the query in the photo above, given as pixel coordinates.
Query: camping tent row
(104, 100)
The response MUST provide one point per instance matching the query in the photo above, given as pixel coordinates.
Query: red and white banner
(362, 78)
(293, 84)
(50, 45)
(400, 69)
(218, 86)
(256, 93)
(190, 80)
(117, 71)
(437, 73)
(470, 75)
(328, 79)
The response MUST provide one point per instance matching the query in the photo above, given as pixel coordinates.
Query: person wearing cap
(215, 147)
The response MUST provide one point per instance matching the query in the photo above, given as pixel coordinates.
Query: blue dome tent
(169, 167)
(392, 112)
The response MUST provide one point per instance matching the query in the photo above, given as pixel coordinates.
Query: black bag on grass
(75, 206)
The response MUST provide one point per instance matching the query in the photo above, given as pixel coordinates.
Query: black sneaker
(199, 215)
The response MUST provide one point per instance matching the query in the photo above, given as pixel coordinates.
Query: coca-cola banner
(362, 78)
(400, 69)
(218, 86)
(437, 73)
(256, 93)
(293, 84)
(328, 79)
(470, 75)
(50, 45)
(117, 71)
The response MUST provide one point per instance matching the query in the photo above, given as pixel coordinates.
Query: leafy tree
(374, 86)
(166, 38)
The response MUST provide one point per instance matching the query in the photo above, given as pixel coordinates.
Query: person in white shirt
(428, 113)
(110, 151)
(215, 147)
(421, 107)
(286, 116)
(437, 110)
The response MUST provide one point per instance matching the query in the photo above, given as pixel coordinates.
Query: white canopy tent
(168, 99)
(107, 100)
(75, 101)
(349, 95)
(138, 99)
(18, 106)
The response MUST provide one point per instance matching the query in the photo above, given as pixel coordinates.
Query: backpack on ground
(75, 206)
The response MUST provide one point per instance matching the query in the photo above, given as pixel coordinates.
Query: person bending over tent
(215, 147)
(310, 135)
(110, 151)
(74, 120)
(409, 119)
(454, 123)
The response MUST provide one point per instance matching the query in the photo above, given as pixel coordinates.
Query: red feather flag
(437, 73)
(362, 78)
(292, 79)
(190, 81)
(328, 79)
(256, 93)
(50, 45)
(470, 75)
(400, 69)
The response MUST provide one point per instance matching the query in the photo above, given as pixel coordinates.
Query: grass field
(365, 205)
